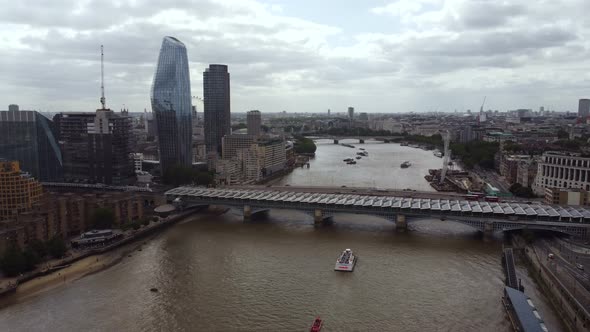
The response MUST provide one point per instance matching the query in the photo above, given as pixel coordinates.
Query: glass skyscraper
(217, 106)
(28, 137)
(171, 104)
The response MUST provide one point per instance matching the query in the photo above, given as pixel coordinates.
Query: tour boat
(317, 325)
(405, 164)
(346, 261)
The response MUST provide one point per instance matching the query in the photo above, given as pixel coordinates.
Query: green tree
(31, 259)
(13, 261)
(562, 134)
(39, 248)
(102, 218)
(145, 221)
(238, 126)
(304, 145)
(56, 247)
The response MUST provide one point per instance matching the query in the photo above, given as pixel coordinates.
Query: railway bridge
(488, 217)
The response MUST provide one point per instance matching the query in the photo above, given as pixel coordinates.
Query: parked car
(551, 256)
(580, 266)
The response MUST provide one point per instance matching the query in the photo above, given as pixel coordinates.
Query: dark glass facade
(171, 104)
(28, 137)
(217, 106)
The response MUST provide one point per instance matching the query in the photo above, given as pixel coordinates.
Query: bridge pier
(488, 230)
(401, 223)
(318, 217)
(336, 141)
(247, 213)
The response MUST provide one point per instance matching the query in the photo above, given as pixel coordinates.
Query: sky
(302, 55)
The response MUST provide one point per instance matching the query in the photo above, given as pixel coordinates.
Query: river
(215, 273)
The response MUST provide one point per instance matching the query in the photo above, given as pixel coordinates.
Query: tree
(13, 262)
(39, 248)
(102, 218)
(145, 221)
(562, 134)
(238, 126)
(304, 145)
(56, 247)
(31, 259)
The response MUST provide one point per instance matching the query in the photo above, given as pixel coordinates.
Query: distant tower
(351, 113)
(253, 122)
(328, 112)
(584, 108)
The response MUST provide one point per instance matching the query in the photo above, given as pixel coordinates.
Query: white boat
(438, 154)
(345, 261)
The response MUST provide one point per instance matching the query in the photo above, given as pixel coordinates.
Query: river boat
(347, 160)
(345, 261)
(358, 157)
(352, 162)
(317, 325)
(438, 154)
(362, 149)
(406, 164)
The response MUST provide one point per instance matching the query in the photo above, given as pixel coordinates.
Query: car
(550, 256)
(580, 266)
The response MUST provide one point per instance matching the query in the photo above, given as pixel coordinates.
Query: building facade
(562, 196)
(172, 105)
(29, 138)
(562, 170)
(96, 147)
(350, 113)
(584, 108)
(233, 143)
(18, 190)
(217, 111)
(254, 123)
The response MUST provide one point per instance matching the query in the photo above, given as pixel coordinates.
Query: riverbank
(82, 263)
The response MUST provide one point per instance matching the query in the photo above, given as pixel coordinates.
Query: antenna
(102, 99)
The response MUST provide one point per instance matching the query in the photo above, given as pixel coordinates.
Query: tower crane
(447, 156)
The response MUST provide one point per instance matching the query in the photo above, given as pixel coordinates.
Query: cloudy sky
(302, 55)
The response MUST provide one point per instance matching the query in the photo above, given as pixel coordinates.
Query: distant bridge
(487, 217)
(360, 139)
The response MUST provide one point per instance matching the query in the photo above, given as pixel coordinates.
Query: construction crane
(102, 99)
(484, 101)
(446, 158)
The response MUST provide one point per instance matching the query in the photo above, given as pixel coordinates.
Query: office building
(562, 170)
(18, 190)
(232, 143)
(29, 138)
(172, 106)
(217, 107)
(584, 108)
(254, 123)
(96, 147)
(351, 113)
(562, 196)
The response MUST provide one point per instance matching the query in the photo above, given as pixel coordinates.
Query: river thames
(216, 273)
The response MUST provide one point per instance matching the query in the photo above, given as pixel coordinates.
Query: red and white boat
(317, 325)
(346, 261)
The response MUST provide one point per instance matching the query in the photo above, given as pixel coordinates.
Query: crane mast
(446, 158)
(102, 99)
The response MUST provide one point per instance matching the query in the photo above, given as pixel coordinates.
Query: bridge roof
(367, 201)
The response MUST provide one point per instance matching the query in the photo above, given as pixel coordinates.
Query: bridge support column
(361, 141)
(318, 217)
(247, 213)
(488, 230)
(400, 223)
(335, 141)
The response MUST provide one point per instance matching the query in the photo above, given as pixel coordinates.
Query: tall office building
(584, 108)
(217, 106)
(253, 123)
(28, 137)
(351, 113)
(96, 147)
(171, 104)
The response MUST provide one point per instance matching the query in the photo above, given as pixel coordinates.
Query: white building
(562, 170)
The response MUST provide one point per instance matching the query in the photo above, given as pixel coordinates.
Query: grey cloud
(486, 14)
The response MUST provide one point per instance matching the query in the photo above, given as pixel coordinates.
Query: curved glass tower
(171, 104)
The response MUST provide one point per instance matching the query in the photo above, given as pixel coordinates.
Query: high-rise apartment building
(217, 106)
(584, 108)
(29, 138)
(96, 147)
(254, 123)
(18, 190)
(172, 106)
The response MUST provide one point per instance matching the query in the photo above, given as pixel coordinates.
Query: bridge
(360, 139)
(488, 217)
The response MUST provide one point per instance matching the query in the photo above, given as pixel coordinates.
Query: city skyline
(419, 56)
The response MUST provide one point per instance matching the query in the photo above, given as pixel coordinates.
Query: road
(493, 178)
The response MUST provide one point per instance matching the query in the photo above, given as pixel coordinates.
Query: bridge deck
(443, 207)
(510, 269)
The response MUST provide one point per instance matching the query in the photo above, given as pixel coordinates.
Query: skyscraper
(584, 108)
(171, 104)
(253, 123)
(217, 106)
(28, 137)
(351, 113)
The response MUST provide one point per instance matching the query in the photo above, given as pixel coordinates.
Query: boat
(345, 261)
(358, 157)
(317, 325)
(406, 164)
(362, 149)
(438, 154)
(348, 159)
(352, 162)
